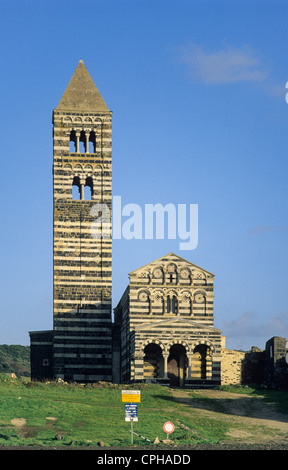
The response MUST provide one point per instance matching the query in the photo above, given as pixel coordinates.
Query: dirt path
(258, 421)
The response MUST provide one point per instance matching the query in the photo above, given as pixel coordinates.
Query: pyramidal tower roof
(81, 94)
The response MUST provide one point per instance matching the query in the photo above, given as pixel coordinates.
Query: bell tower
(82, 254)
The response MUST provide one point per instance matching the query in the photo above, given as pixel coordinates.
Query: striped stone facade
(166, 323)
(82, 242)
(82, 262)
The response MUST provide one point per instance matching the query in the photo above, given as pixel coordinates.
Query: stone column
(82, 184)
(87, 133)
(164, 303)
(189, 365)
(165, 372)
(150, 299)
(77, 141)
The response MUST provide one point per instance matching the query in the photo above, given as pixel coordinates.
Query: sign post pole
(130, 398)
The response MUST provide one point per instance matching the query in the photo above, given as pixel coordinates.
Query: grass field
(38, 414)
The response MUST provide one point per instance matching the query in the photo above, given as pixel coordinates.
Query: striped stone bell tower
(82, 256)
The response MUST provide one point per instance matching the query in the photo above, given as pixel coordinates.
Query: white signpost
(131, 397)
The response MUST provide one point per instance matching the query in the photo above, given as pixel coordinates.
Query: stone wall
(41, 352)
(276, 367)
(257, 367)
(254, 366)
(232, 363)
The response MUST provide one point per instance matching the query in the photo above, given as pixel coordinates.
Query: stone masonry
(166, 324)
(82, 260)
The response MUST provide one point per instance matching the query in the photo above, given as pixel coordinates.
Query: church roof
(171, 258)
(81, 94)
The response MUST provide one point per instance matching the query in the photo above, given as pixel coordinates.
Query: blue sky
(197, 90)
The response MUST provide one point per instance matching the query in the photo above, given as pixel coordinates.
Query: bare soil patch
(259, 422)
(18, 422)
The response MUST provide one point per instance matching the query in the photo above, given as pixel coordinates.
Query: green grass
(83, 416)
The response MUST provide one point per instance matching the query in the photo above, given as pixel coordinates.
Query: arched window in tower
(76, 188)
(82, 142)
(72, 142)
(92, 142)
(88, 189)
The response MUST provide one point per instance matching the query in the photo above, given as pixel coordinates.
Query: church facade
(163, 328)
(166, 325)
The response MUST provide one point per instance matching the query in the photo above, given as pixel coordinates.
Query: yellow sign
(131, 396)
